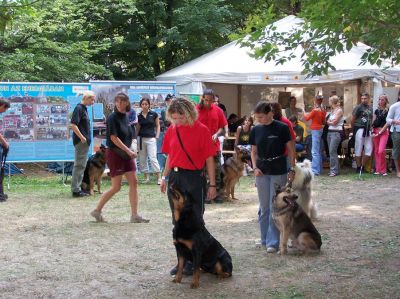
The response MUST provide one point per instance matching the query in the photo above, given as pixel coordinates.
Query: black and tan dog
(94, 170)
(294, 223)
(233, 170)
(193, 242)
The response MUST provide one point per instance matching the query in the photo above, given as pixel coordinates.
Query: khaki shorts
(396, 145)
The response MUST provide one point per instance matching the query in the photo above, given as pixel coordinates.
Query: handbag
(122, 154)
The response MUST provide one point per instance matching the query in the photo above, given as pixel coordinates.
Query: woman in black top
(380, 137)
(268, 140)
(120, 158)
(148, 132)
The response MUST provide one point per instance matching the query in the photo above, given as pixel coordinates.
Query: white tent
(231, 64)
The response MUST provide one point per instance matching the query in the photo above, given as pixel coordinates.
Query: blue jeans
(316, 149)
(266, 186)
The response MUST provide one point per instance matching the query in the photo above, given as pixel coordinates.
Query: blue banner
(37, 125)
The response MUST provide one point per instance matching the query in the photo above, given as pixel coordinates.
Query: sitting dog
(301, 186)
(233, 170)
(94, 170)
(193, 242)
(294, 223)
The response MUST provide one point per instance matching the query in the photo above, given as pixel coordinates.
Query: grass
(50, 245)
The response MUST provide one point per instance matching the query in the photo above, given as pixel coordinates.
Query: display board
(37, 125)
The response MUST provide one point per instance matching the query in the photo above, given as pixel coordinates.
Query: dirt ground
(51, 248)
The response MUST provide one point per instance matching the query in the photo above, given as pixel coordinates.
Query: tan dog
(294, 223)
(94, 170)
(302, 185)
(233, 171)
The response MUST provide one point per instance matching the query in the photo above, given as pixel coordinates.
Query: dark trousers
(218, 174)
(192, 184)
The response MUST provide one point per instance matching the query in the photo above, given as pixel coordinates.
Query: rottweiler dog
(233, 170)
(193, 242)
(293, 223)
(94, 170)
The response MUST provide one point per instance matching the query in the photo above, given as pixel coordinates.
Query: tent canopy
(232, 64)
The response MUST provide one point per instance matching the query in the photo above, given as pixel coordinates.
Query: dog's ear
(278, 189)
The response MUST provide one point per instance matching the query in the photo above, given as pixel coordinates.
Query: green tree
(333, 27)
(148, 37)
(43, 43)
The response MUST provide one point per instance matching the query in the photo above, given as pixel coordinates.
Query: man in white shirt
(393, 119)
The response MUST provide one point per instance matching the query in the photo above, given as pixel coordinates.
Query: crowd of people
(192, 147)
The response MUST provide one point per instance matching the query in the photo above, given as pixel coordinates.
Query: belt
(271, 159)
(178, 169)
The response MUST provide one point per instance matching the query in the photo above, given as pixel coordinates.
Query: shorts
(117, 165)
(396, 145)
(361, 142)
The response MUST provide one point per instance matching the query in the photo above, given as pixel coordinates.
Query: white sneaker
(271, 250)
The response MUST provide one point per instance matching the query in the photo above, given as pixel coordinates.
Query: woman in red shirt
(317, 117)
(189, 149)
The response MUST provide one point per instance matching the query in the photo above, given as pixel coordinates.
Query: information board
(37, 125)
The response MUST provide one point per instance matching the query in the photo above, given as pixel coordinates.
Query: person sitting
(299, 131)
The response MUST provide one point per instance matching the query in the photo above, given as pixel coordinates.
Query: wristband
(164, 178)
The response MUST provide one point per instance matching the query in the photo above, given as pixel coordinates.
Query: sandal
(138, 219)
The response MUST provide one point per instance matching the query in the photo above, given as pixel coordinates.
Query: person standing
(393, 119)
(189, 148)
(165, 123)
(269, 140)
(132, 117)
(292, 109)
(317, 117)
(217, 101)
(81, 137)
(148, 132)
(4, 147)
(335, 124)
(120, 159)
(213, 118)
(380, 135)
(361, 123)
(4, 105)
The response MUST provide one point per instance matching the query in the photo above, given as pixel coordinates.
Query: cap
(169, 97)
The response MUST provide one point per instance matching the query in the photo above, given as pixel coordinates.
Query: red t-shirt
(292, 133)
(197, 142)
(213, 119)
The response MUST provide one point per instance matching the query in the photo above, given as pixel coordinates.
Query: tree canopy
(76, 40)
(333, 27)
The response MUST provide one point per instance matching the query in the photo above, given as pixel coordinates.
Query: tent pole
(239, 100)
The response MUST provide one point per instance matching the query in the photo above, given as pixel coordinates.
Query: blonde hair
(88, 94)
(185, 107)
(334, 100)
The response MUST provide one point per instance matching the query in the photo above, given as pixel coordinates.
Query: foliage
(43, 43)
(333, 27)
(76, 40)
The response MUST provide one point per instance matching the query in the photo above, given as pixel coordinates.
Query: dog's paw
(282, 252)
(194, 285)
(176, 280)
